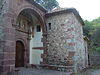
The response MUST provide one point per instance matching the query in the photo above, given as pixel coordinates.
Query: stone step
(56, 67)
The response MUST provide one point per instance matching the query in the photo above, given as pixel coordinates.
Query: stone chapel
(32, 36)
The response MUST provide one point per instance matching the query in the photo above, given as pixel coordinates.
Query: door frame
(22, 52)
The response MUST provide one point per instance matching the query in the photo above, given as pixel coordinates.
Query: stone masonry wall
(1, 5)
(94, 59)
(61, 40)
(65, 41)
(9, 11)
(3, 10)
(80, 55)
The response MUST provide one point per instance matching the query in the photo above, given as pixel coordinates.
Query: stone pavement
(24, 71)
(90, 72)
(31, 71)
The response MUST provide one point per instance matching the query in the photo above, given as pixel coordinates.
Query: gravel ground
(24, 71)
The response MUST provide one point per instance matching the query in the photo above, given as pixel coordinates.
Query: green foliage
(48, 4)
(98, 49)
(96, 35)
(88, 28)
(96, 23)
(92, 30)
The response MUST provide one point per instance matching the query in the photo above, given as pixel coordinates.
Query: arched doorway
(19, 59)
(30, 25)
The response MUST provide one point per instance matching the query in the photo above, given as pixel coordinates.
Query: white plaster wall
(35, 54)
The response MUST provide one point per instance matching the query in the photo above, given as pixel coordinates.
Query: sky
(88, 9)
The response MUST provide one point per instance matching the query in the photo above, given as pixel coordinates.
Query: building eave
(68, 10)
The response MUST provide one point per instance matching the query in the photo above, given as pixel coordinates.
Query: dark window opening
(49, 26)
(38, 28)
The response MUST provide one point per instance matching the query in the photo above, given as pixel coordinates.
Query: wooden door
(19, 54)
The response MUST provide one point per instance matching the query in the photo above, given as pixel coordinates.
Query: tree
(96, 23)
(48, 4)
(96, 33)
(98, 49)
(92, 30)
(96, 36)
(88, 29)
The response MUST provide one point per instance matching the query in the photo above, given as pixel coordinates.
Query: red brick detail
(10, 43)
(70, 29)
(41, 48)
(45, 34)
(70, 36)
(71, 54)
(8, 62)
(4, 68)
(10, 55)
(9, 30)
(9, 49)
(10, 36)
(71, 44)
(43, 55)
(8, 14)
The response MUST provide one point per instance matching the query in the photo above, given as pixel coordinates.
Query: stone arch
(23, 41)
(26, 49)
(38, 12)
(11, 35)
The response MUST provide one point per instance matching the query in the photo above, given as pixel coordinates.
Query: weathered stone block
(71, 53)
(8, 62)
(1, 56)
